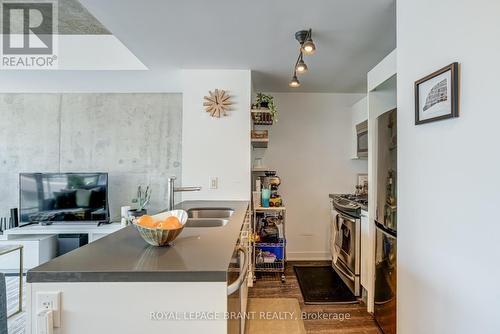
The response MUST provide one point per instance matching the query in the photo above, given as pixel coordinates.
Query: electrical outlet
(214, 182)
(50, 300)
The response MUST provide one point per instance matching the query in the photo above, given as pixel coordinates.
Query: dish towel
(3, 305)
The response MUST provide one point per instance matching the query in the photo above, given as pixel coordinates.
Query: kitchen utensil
(162, 237)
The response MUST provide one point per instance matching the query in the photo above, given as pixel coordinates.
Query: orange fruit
(171, 223)
(147, 221)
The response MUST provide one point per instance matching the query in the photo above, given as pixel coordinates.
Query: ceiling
(351, 37)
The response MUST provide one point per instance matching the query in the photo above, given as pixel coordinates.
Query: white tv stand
(95, 232)
(40, 242)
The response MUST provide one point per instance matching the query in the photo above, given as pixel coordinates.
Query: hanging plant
(267, 102)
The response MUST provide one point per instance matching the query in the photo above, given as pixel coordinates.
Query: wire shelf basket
(276, 266)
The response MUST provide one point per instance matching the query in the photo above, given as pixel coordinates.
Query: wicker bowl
(162, 237)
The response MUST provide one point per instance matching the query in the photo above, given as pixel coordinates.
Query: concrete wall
(90, 81)
(310, 148)
(216, 147)
(448, 227)
(134, 137)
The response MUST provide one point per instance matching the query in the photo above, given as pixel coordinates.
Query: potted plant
(265, 101)
(142, 200)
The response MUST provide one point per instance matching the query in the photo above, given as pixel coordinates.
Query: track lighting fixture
(307, 47)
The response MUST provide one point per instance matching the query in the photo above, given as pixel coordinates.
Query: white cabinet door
(365, 251)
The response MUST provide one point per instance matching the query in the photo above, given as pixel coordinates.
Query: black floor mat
(322, 285)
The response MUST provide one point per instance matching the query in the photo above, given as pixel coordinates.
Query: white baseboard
(308, 256)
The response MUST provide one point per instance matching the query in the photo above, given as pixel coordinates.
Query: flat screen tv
(48, 198)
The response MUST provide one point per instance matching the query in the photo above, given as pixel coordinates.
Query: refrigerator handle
(385, 229)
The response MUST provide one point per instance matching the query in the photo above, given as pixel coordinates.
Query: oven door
(347, 246)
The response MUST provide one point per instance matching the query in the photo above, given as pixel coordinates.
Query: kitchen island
(120, 284)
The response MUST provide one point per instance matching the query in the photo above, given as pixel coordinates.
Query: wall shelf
(260, 111)
(271, 208)
(261, 117)
(260, 169)
(260, 143)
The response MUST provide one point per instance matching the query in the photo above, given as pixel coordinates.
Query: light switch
(214, 182)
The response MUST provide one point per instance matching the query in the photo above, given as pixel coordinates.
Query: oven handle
(345, 217)
(350, 276)
(233, 287)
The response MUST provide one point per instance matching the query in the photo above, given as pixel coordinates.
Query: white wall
(216, 146)
(381, 99)
(310, 148)
(448, 226)
(382, 71)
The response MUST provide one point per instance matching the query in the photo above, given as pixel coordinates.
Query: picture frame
(362, 179)
(436, 95)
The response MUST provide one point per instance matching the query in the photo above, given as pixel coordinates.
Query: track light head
(301, 66)
(295, 82)
(308, 47)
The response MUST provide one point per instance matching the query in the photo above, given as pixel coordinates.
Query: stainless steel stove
(345, 238)
(350, 204)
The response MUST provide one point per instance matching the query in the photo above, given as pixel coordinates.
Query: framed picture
(362, 180)
(436, 95)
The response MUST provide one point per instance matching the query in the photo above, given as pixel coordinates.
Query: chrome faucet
(171, 189)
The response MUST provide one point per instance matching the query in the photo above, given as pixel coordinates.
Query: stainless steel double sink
(208, 217)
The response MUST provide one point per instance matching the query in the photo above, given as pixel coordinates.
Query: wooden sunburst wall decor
(217, 103)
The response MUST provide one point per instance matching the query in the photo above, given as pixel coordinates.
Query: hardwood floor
(359, 322)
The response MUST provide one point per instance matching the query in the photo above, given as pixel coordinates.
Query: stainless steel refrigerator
(386, 223)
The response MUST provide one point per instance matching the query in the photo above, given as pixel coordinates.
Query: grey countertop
(198, 255)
